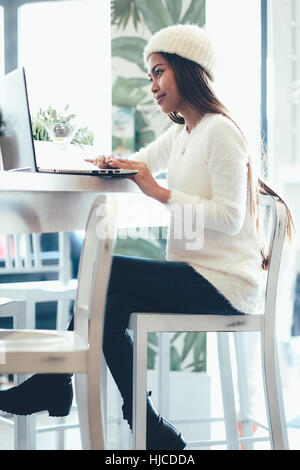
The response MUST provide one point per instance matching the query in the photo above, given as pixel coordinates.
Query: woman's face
(164, 87)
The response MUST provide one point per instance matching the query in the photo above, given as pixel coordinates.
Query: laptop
(18, 147)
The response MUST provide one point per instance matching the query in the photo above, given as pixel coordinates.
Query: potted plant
(51, 125)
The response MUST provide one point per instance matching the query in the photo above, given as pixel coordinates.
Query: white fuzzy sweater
(207, 176)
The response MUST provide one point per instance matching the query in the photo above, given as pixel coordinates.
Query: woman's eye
(157, 73)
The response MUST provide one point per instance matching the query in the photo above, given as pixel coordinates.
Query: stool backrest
(94, 273)
(275, 221)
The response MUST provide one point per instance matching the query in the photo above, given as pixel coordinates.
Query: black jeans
(145, 285)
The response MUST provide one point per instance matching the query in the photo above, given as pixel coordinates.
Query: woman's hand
(143, 178)
(102, 161)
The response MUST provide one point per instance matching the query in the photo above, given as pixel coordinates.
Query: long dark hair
(195, 86)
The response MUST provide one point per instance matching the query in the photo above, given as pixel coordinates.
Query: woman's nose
(154, 88)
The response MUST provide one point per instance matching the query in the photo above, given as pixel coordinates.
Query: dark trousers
(146, 285)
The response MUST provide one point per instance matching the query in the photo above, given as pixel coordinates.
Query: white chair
(23, 255)
(55, 351)
(143, 323)
(10, 308)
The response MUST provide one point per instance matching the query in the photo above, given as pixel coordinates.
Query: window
(65, 49)
(235, 29)
(284, 139)
(284, 88)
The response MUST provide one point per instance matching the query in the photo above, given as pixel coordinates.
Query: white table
(42, 203)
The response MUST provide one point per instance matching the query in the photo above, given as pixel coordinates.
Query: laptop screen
(17, 145)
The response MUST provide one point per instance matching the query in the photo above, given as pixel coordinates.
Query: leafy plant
(51, 116)
(146, 11)
(154, 14)
(131, 48)
(128, 91)
(193, 342)
(121, 11)
(83, 136)
(143, 136)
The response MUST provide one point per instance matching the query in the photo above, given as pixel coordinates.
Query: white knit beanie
(186, 40)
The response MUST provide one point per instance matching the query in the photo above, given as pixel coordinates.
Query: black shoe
(161, 435)
(42, 392)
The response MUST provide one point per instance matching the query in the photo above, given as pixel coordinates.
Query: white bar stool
(143, 323)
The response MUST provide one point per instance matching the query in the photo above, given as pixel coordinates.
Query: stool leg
(243, 373)
(62, 318)
(90, 410)
(139, 395)
(273, 395)
(24, 433)
(83, 409)
(103, 389)
(164, 374)
(227, 391)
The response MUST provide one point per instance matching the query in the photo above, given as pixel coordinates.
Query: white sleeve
(227, 158)
(156, 155)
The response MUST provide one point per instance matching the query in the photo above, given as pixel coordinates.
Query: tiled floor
(50, 440)
(45, 441)
(118, 439)
(69, 440)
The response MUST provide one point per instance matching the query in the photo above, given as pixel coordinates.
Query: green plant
(121, 11)
(194, 343)
(170, 12)
(83, 136)
(154, 14)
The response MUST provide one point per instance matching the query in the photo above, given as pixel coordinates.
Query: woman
(215, 258)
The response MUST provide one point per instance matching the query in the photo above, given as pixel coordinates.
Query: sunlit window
(1, 42)
(65, 49)
(238, 50)
(284, 144)
(284, 88)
